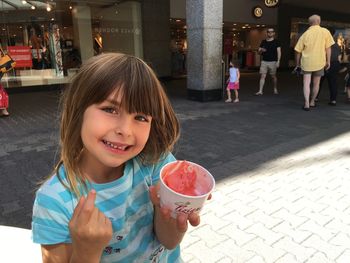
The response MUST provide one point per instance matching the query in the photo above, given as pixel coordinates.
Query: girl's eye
(140, 117)
(110, 110)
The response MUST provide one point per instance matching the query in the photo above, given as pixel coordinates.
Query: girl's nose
(124, 125)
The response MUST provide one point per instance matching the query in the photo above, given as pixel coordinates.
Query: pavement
(282, 174)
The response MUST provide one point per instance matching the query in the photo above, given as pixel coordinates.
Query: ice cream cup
(182, 203)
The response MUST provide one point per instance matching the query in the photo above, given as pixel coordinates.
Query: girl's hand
(90, 229)
(181, 221)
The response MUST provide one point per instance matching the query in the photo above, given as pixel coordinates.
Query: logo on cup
(183, 207)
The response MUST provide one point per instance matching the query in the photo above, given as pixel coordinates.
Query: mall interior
(50, 39)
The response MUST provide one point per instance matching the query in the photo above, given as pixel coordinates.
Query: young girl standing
(101, 203)
(233, 83)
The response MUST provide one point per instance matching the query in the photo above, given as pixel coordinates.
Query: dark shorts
(314, 73)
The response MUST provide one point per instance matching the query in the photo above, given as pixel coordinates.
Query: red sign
(22, 55)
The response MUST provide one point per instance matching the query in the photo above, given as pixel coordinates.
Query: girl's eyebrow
(112, 101)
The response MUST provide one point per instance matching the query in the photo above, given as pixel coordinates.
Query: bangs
(128, 76)
(139, 88)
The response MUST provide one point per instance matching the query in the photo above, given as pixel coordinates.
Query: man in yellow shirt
(313, 53)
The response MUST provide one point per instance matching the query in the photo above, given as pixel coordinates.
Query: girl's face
(112, 136)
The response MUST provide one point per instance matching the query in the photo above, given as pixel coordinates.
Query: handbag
(4, 98)
(6, 62)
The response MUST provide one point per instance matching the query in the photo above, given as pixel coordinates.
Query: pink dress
(233, 78)
(233, 85)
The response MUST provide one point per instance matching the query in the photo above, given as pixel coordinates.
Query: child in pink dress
(233, 83)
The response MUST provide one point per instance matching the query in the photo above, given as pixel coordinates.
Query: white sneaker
(275, 91)
(236, 100)
(228, 100)
(258, 93)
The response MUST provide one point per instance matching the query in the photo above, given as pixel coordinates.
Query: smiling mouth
(115, 146)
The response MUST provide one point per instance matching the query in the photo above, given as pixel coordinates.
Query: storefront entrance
(50, 40)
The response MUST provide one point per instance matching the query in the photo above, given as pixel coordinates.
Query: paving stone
(268, 253)
(318, 257)
(331, 251)
(300, 252)
(344, 257)
(288, 230)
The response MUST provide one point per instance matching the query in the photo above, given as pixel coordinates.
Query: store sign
(257, 11)
(271, 3)
(22, 55)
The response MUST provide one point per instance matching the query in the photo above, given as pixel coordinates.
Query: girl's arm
(63, 253)
(238, 75)
(56, 253)
(170, 231)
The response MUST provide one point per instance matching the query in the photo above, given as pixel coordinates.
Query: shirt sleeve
(300, 45)
(329, 39)
(51, 215)
(278, 43)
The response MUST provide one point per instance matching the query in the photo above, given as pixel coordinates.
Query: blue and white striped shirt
(124, 201)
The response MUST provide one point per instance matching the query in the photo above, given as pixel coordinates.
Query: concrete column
(156, 35)
(204, 54)
(137, 25)
(82, 31)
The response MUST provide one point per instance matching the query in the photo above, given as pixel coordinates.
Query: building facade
(50, 39)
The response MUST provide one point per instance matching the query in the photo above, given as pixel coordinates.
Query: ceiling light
(32, 7)
(48, 8)
(70, 7)
(24, 2)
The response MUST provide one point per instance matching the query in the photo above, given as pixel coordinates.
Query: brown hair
(99, 77)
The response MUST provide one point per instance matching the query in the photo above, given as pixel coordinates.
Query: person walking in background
(101, 203)
(233, 83)
(313, 55)
(4, 101)
(332, 73)
(6, 65)
(347, 80)
(347, 86)
(270, 49)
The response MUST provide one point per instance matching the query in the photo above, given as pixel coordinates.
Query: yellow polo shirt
(312, 45)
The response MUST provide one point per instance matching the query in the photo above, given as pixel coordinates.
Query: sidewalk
(295, 208)
(282, 173)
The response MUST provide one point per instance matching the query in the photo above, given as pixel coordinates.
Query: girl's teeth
(114, 146)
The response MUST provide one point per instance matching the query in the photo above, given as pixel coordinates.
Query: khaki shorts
(314, 73)
(268, 66)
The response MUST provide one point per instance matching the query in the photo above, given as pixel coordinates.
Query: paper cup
(183, 203)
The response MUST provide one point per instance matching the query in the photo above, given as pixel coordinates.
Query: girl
(101, 203)
(233, 83)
